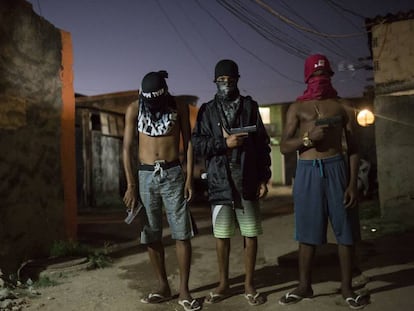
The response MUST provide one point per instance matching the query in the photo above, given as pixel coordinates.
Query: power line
(195, 27)
(335, 47)
(245, 49)
(345, 9)
(182, 38)
(338, 9)
(306, 29)
(265, 29)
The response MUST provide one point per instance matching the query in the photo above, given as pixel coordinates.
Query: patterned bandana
(157, 123)
(229, 111)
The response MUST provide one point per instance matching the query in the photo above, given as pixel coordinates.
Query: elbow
(284, 149)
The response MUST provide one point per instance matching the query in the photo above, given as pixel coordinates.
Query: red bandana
(319, 87)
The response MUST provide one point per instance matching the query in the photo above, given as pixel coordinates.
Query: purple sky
(116, 42)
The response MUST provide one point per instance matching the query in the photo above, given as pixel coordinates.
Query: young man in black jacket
(230, 135)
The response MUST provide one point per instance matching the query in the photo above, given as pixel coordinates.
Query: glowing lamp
(365, 117)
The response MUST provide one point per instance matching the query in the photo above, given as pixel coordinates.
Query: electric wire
(244, 48)
(265, 29)
(345, 9)
(306, 29)
(196, 28)
(338, 9)
(273, 34)
(335, 46)
(354, 62)
(182, 38)
(330, 45)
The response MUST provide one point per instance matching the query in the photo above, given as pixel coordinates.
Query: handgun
(332, 121)
(133, 212)
(243, 129)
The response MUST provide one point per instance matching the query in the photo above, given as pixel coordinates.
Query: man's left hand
(350, 197)
(263, 190)
(188, 191)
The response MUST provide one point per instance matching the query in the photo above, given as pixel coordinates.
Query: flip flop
(357, 302)
(214, 298)
(290, 299)
(153, 298)
(254, 299)
(189, 305)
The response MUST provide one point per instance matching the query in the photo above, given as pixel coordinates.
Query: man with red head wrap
(326, 177)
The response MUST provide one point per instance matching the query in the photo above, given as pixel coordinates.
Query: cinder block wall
(31, 191)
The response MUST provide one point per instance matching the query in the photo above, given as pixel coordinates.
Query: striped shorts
(225, 218)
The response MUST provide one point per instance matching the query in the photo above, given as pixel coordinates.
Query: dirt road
(388, 261)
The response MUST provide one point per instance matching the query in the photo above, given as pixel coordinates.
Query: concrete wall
(393, 52)
(395, 152)
(393, 56)
(31, 190)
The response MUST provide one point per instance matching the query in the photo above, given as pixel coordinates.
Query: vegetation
(97, 258)
(45, 281)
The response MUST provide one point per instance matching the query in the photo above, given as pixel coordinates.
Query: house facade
(392, 47)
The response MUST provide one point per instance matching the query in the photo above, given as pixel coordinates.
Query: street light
(365, 117)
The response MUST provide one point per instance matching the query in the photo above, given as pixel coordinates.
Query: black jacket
(208, 141)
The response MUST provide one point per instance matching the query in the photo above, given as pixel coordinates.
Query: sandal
(255, 299)
(189, 305)
(153, 298)
(214, 298)
(290, 299)
(357, 302)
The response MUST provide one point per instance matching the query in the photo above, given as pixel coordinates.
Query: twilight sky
(116, 42)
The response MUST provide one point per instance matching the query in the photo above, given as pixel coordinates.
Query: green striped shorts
(225, 217)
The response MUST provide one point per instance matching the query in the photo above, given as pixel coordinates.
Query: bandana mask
(227, 90)
(157, 117)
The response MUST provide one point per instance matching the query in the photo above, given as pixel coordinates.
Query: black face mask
(227, 90)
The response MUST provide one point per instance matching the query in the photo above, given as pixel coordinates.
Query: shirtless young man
(326, 182)
(160, 122)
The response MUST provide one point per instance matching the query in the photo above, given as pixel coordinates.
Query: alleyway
(388, 261)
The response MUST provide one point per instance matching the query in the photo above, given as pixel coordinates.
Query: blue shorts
(318, 194)
(164, 187)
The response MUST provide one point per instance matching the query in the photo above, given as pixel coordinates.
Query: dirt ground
(387, 261)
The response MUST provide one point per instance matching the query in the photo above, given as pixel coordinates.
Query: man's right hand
(130, 197)
(318, 132)
(235, 140)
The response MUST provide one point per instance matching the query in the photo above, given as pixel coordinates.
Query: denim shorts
(164, 188)
(318, 194)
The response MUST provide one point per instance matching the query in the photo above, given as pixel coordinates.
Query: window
(265, 114)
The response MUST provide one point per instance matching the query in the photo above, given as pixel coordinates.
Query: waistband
(159, 164)
(321, 163)
(333, 159)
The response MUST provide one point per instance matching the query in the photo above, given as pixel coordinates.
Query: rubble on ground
(14, 295)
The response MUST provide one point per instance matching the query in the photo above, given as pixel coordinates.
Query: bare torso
(156, 148)
(308, 112)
